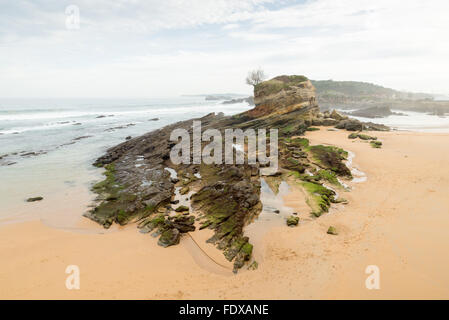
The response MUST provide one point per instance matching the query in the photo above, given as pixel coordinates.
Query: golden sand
(397, 220)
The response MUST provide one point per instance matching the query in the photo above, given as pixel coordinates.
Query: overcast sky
(153, 48)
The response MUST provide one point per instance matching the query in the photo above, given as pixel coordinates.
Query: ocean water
(411, 121)
(48, 147)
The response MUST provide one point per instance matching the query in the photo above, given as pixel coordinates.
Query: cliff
(283, 94)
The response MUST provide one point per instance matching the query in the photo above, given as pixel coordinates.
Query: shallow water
(67, 136)
(268, 218)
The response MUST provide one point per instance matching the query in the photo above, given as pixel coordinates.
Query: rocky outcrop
(139, 185)
(375, 112)
(283, 94)
(356, 125)
(248, 100)
(34, 199)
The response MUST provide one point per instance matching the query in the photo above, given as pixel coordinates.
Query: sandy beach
(397, 220)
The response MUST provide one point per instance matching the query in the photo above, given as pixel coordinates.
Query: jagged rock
(292, 221)
(184, 223)
(375, 126)
(324, 122)
(329, 157)
(182, 208)
(169, 237)
(337, 116)
(184, 190)
(34, 199)
(150, 224)
(242, 256)
(332, 230)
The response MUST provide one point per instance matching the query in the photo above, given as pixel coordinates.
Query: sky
(153, 48)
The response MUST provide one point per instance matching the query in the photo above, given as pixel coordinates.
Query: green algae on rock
(361, 136)
(332, 230)
(33, 199)
(376, 144)
(330, 157)
(292, 221)
(182, 208)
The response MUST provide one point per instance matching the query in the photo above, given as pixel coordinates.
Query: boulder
(332, 230)
(184, 223)
(169, 237)
(34, 199)
(337, 116)
(376, 144)
(350, 125)
(292, 221)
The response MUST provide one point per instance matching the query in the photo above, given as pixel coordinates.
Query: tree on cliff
(255, 77)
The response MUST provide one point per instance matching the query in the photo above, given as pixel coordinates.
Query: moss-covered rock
(292, 221)
(34, 199)
(366, 137)
(319, 197)
(253, 266)
(243, 256)
(182, 209)
(332, 230)
(330, 157)
(184, 190)
(149, 224)
(376, 144)
(183, 223)
(329, 176)
(169, 237)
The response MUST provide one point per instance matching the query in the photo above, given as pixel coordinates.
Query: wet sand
(397, 220)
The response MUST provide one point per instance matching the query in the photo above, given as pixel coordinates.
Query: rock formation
(143, 185)
(283, 94)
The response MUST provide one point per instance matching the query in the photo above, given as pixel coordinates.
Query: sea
(47, 146)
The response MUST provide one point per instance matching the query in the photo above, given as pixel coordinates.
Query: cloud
(133, 48)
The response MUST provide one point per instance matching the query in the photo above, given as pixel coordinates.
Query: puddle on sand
(268, 217)
(359, 176)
